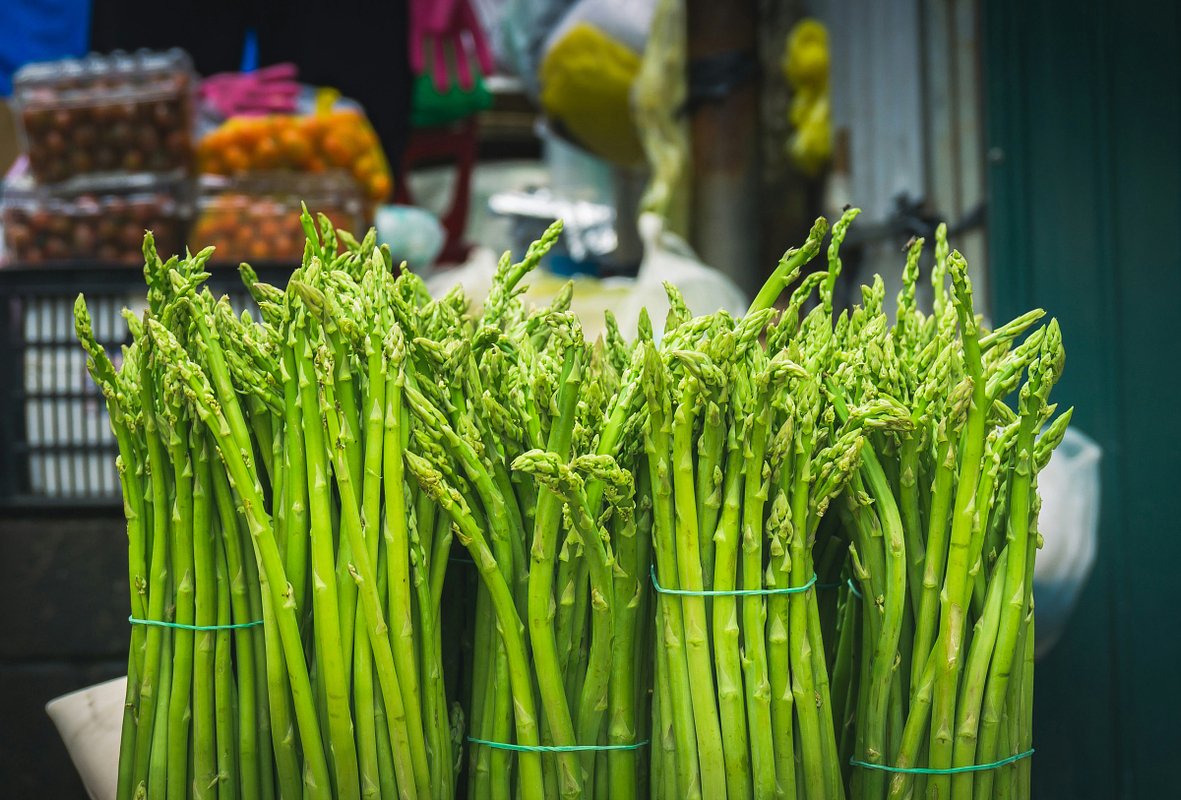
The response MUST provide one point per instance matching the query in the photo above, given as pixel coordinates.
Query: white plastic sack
(1069, 523)
(667, 257)
(89, 721)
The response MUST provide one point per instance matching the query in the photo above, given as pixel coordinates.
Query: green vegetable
(403, 548)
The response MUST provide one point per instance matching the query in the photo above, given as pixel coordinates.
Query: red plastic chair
(452, 144)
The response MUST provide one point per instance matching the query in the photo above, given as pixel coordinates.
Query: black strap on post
(714, 78)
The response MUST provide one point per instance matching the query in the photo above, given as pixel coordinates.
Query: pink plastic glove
(270, 90)
(449, 25)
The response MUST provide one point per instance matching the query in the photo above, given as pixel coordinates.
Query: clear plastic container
(256, 217)
(105, 224)
(105, 114)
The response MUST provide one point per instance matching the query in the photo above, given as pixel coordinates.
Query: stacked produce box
(255, 217)
(257, 169)
(105, 223)
(112, 149)
(109, 147)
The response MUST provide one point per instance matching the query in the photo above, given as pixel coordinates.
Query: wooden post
(725, 146)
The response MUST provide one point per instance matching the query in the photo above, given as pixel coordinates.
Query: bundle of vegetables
(307, 471)
(524, 438)
(263, 481)
(940, 518)
(793, 550)
(745, 460)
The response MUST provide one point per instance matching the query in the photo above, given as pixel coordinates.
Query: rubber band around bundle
(555, 748)
(948, 771)
(732, 592)
(182, 626)
(838, 584)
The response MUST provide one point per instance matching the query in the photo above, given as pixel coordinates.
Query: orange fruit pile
(249, 227)
(340, 139)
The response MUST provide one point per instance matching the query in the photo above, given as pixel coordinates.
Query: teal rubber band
(136, 621)
(849, 583)
(555, 748)
(948, 771)
(732, 592)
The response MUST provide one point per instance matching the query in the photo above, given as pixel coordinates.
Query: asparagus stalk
(229, 776)
(130, 466)
(954, 596)
(330, 650)
(540, 589)
(767, 774)
(689, 573)
(156, 784)
(363, 690)
(789, 267)
(672, 631)
(885, 651)
(295, 472)
(179, 705)
(727, 649)
(205, 777)
(624, 706)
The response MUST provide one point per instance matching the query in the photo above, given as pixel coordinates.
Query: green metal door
(1084, 126)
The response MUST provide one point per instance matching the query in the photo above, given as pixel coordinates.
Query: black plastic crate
(56, 447)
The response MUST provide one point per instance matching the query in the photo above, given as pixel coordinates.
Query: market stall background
(1047, 121)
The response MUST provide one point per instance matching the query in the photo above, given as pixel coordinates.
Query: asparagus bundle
(521, 444)
(796, 547)
(307, 472)
(940, 521)
(264, 484)
(743, 468)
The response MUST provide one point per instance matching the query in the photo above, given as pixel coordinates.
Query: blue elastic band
(184, 627)
(948, 771)
(732, 592)
(554, 748)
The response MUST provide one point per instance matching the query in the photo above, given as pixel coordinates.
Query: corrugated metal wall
(1084, 106)
(1067, 116)
(906, 91)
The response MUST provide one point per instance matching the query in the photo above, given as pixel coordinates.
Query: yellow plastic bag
(586, 80)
